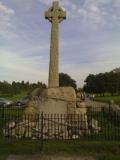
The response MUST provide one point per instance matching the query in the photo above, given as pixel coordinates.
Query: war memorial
(47, 106)
(58, 121)
(58, 112)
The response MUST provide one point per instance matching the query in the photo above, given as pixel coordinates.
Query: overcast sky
(89, 39)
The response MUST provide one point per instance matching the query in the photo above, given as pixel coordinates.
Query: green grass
(107, 99)
(82, 147)
(100, 150)
(11, 146)
(108, 157)
(14, 97)
(110, 127)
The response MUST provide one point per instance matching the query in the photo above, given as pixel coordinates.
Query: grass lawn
(100, 150)
(107, 99)
(14, 97)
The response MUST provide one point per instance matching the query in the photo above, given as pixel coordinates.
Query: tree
(19, 87)
(90, 85)
(108, 82)
(116, 70)
(66, 80)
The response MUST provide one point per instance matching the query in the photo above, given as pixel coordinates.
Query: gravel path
(95, 103)
(100, 105)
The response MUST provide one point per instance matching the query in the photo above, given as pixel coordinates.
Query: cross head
(55, 13)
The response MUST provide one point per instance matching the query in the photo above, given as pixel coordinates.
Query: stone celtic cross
(55, 15)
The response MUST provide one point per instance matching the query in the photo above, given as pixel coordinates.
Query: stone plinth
(53, 101)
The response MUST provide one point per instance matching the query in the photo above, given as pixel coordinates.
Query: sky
(89, 39)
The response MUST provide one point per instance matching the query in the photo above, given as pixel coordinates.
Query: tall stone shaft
(55, 15)
(54, 56)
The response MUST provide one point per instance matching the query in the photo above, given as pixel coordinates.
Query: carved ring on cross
(55, 13)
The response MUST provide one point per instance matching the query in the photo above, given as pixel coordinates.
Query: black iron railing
(96, 124)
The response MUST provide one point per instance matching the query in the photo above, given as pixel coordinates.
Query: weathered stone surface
(55, 15)
(71, 107)
(62, 93)
(81, 108)
(11, 125)
(52, 106)
(20, 130)
(58, 99)
(94, 127)
(36, 92)
(53, 101)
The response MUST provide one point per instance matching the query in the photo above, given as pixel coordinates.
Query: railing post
(3, 117)
(115, 124)
(42, 131)
(109, 107)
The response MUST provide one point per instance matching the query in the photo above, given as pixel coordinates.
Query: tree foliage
(18, 87)
(66, 80)
(103, 83)
(27, 87)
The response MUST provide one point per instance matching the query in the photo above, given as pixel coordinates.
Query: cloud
(100, 12)
(22, 68)
(5, 10)
(6, 14)
(67, 5)
(82, 50)
(94, 13)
